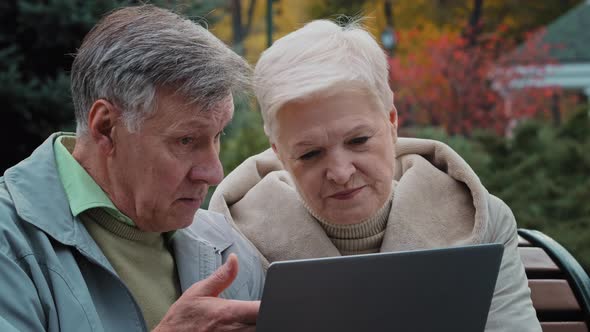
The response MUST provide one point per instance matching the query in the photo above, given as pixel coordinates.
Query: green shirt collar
(82, 191)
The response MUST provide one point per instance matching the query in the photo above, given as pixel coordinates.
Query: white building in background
(570, 37)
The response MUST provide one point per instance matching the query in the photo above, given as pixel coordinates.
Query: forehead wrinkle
(174, 107)
(308, 138)
(187, 125)
(202, 120)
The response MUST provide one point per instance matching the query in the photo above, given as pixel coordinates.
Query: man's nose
(207, 168)
(340, 169)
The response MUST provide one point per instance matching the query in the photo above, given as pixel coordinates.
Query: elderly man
(96, 228)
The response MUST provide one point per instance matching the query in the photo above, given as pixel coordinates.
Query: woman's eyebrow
(358, 127)
(304, 144)
(307, 142)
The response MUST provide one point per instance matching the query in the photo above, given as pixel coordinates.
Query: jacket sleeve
(20, 306)
(512, 308)
(257, 281)
(256, 274)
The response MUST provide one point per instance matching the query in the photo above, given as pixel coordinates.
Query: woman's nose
(340, 169)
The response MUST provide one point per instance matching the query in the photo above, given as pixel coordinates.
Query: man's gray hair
(134, 51)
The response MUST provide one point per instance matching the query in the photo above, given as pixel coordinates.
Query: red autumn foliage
(461, 85)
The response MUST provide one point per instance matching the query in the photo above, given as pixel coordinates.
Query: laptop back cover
(446, 289)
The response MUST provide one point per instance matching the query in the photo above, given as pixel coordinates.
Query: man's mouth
(191, 202)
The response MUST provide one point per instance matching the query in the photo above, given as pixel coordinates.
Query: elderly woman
(338, 180)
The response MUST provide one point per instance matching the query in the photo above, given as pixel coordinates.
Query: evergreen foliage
(541, 172)
(37, 40)
(245, 137)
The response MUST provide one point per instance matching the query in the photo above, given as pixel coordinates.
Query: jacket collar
(198, 249)
(40, 200)
(39, 197)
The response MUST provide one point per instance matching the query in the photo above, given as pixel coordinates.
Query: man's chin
(182, 225)
(183, 220)
(177, 217)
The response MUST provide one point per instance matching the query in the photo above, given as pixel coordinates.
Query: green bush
(244, 137)
(541, 172)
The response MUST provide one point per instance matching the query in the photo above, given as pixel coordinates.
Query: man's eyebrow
(186, 125)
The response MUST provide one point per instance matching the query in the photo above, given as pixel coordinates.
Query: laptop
(446, 289)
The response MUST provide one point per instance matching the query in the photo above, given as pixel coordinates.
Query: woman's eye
(359, 140)
(186, 140)
(309, 155)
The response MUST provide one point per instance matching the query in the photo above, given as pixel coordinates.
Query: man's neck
(87, 155)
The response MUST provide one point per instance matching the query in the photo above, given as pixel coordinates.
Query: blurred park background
(506, 83)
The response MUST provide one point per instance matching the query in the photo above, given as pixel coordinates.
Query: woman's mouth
(347, 194)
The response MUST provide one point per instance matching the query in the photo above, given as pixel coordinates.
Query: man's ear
(101, 124)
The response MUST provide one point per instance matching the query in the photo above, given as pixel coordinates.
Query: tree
(333, 8)
(37, 39)
(457, 82)
(239, 30)
(438, 16)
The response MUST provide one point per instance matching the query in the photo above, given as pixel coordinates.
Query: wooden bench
(560, 288)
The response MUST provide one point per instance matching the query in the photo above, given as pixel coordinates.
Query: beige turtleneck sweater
(362, 238)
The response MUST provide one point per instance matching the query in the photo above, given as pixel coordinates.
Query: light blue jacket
(54, 277)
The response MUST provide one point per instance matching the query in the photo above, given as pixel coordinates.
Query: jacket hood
(438, 201)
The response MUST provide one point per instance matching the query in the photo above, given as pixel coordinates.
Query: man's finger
(251, 328)
(245, 312)
(219, 280)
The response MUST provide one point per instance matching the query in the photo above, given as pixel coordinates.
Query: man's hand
(199, 308)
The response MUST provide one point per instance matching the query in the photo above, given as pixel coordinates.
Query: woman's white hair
(320, 58)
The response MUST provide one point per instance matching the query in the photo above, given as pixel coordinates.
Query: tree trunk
(555, 112)
(240, 31)
(474, 26)
(236, 14)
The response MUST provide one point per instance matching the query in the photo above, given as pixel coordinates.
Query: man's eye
(219, 134)
(359, 140)
(309, 155)
(186, 140)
